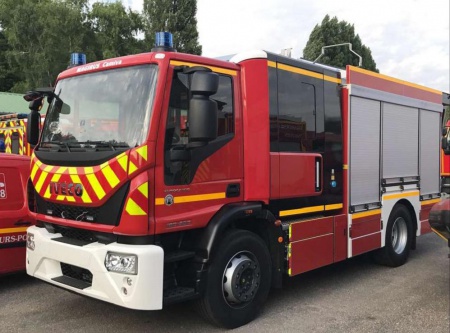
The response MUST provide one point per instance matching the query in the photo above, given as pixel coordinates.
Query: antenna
(349, 46)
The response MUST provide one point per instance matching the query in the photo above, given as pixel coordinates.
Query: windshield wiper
(99, 144)
(58, 143)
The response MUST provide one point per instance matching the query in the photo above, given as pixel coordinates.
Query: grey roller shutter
(400, 141)
(429, 152)
(364, 151)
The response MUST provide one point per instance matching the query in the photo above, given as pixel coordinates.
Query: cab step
(178, 294)
(178, 256)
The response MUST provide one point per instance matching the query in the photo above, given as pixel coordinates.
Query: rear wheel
(399, 235)
(238, 280)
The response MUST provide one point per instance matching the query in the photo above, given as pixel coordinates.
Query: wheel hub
(399, 235)
(242, 278)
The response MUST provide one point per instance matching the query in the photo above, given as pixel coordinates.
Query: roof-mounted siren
(163, 42)
(77, 59)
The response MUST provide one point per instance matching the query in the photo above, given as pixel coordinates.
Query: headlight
(121, 263)
(30, 241)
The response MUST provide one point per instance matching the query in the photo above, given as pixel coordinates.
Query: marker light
(77, 59)
(164, 39)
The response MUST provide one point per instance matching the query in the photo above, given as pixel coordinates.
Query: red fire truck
(163, 177)
(14, 173)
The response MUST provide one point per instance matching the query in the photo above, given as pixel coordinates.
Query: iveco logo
(66, 189)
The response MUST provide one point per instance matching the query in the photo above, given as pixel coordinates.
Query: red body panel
(14, 214)
(316, 243)
(366, 234)
(340, 237)
(255, 99)
(424, 216)
(297, 176)
(391, 85)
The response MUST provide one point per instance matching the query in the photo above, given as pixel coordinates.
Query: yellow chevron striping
(123, 161)
(144, 189)
(110, 176)
(85, 196)
(133, 208)
(98, 189)
(131, 168)
(41, 181)
(143, 152)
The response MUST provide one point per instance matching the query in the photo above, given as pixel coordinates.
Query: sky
(409, 39)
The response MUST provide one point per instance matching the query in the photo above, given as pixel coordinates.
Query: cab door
(189, 191)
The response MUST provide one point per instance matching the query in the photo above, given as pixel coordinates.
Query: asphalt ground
(352, 296)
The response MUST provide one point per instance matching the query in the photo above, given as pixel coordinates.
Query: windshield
(111, 108)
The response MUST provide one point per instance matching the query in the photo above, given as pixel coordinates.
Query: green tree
(331, 32)
(175, 16)
(7, 72)
(41, 34)
(116, 29)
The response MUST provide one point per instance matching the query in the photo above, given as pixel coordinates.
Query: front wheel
(238, 280)
(399, 235)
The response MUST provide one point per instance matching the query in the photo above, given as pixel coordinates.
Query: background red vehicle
(14, 213)
(14, 175)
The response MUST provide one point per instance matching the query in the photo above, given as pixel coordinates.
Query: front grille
(76, 273)
(76, 213)
(78, 234)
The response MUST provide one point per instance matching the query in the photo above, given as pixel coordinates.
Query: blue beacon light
(163, 42)
(77, 59)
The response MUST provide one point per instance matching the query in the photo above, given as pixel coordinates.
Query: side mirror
(203, 110)
(444, 131)
(33, 120)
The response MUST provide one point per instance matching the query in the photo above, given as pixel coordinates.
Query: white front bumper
(145, 292)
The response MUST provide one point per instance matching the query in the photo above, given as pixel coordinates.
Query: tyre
(399, 233)
(238, 280)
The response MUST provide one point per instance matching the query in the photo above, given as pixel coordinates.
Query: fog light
(121, 263)
(30, 241)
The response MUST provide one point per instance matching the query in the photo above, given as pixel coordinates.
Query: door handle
(22, 223)
(233, 190)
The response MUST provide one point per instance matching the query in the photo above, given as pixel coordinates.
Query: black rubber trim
(76, 158)
(223, 218)
(71, 241)
(72, 282)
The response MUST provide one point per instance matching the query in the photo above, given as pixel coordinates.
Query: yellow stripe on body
(365, 214)
(400, 195)
(334, 206)
(308, 73)
(299, 211)
(193, 198)
(213, 68)
(12, 230)
(54, 179)
(428, 202)
(98, 189)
